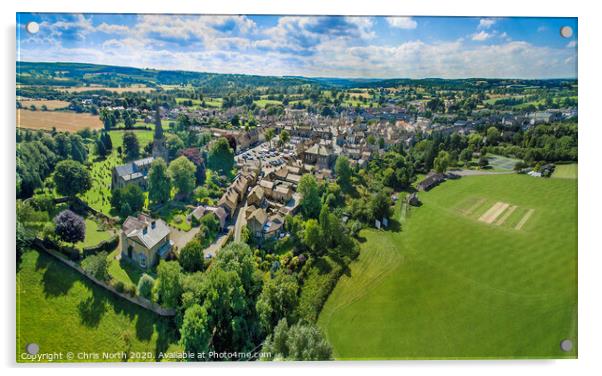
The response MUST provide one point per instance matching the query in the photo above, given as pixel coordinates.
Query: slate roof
(134, 228)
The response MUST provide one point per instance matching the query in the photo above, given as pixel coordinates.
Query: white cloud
(402, 22)
(486, 23)
(310, 46)
(572, 44)
(112, 28)
(481, 36)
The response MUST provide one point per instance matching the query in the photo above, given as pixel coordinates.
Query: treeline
(39, 152)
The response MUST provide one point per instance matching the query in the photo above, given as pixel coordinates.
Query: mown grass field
(62, 311)
(451, 286)
(565, 171)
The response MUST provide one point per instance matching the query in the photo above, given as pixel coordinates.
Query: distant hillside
(79, 74)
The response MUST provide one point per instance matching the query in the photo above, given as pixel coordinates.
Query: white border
(590, 252)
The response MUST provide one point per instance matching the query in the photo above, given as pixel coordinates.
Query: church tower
(159, 144)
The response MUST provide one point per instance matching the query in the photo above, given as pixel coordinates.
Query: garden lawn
(565, 171)
(450, 286)
(123, 270)
(62, 311)
(94, 235)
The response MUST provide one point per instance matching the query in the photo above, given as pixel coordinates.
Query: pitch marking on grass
(474, 207)
(494, 212)
(524, 219)
(507, 214)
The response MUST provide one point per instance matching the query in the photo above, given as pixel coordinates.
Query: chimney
(145, 230)
(153, 224)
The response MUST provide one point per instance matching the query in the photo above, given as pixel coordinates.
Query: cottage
(145, 240)
(256, 196)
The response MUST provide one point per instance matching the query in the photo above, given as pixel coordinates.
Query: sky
(311, 46)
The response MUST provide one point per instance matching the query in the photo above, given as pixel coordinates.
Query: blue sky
(329, 46)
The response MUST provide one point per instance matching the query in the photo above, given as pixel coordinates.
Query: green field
(62, 311)
(451, 286)
(565, 171)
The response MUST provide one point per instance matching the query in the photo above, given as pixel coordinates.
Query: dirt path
(494, 212)
(524, 219)
(506, 215)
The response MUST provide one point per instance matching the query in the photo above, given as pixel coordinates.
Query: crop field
(449, 285)
(62, 121)
(50, 104)
(62, 311)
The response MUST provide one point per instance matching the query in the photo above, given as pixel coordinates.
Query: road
(240, 222)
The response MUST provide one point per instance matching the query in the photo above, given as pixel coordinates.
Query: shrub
(97, 266)
(119, 286)
(145, 286)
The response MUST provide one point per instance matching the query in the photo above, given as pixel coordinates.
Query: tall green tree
(343, 172)
(182, 172)
(310, 196)
(131, 145)
(159, 182)
(220, 156)
(278, 299)
(71, 178)
(169, 285)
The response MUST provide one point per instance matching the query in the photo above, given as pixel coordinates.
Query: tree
(343, 171)
(100, 148)
(182, 173)
(97, 265)
(131, 145)
(169, 285)
(130, 195)
(159, 182)
(128, 120)
(196, 332)
(441, 162)
(145, 286)
(221, 156)
(284, 137)
(310, 196)
(71, 178)
(78, 149)
(70, 227)
(312, 237)
(278, 299)
(302, 341)
(269, 135)
(191, 256)
(380, 205)
(466, 156)
(493, 135)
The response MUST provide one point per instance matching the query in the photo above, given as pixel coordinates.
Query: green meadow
(62, 311)
(457, 279)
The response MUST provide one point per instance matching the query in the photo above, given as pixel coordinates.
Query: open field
(449, 286)
(62, 311)
(50, 104)
(565, 171)
(62, 121)
(129, 89)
